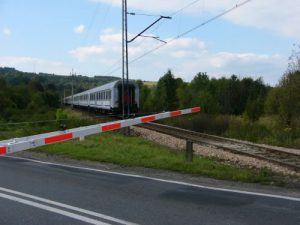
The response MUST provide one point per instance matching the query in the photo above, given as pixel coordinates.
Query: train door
(128, 98)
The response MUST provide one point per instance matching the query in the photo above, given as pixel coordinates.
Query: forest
(236, 107)
(31, 96)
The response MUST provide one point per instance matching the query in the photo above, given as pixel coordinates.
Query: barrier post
(189, 151)
(82, 138)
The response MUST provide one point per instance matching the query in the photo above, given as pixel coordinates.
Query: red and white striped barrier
(21, 144)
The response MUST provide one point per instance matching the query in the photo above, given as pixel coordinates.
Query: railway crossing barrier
(25, 143)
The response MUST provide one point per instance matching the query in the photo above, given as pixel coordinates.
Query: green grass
(133, 151)
(150, 83)
(267, 130)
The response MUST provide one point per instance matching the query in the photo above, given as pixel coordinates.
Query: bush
(245, 130)
(212, 124)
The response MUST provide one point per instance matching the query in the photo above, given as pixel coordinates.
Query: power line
(91, 25)
(150, 15)
(187, 32)
(142, 14)
(176, 12)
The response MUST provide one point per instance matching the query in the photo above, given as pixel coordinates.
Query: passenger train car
(108, 98)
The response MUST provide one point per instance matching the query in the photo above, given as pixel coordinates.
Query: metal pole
(72, 89)
(123, 56)
(64, 100)
(126, 57)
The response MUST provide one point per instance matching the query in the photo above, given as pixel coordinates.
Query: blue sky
(55, 36)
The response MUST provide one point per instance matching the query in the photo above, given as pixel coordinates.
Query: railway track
(275, 155)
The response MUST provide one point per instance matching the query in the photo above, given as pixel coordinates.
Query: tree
(294, 60)
(165, 94)
(185, 95)
(284, 100)
(145, 97)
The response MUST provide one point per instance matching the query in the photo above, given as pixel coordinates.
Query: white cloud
(278, 16)
(185, 56)
(79, 29)
(29, 64)
(6, 31)
(84, 53)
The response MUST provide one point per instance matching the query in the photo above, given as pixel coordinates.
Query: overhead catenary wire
(91, 24)
(177, 12)
(186, 32)
(143, 14)
(161, 22)
(191, 30)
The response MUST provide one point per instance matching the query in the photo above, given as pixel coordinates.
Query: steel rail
(267, 153)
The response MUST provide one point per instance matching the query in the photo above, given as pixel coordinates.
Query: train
(108, 98)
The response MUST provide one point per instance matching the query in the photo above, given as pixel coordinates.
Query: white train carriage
(108, 97)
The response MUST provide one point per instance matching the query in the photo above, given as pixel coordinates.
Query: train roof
(110, 85)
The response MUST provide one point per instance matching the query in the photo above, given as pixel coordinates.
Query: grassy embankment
(132, 151)
(44, 123)
(112, 147)
(267, 130)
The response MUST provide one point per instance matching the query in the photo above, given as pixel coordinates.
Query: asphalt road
(37, 193)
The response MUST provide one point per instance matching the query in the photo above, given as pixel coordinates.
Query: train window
(109, 94)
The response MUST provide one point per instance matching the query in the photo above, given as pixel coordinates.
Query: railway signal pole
(125, 42)
(124, 54)
(72, 84)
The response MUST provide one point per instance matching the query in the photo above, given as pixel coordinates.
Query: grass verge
(134, 151)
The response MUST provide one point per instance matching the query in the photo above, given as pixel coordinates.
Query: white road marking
(50, 202)
(52, 209)
(163, 180)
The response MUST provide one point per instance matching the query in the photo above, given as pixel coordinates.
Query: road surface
(37, 193)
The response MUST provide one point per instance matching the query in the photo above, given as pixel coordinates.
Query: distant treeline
(81, 83)
(23, 95)
(248, 97)
(30, 96)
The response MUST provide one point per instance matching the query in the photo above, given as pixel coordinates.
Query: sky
(56, 36)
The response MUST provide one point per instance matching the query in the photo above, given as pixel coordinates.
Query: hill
(14, 77)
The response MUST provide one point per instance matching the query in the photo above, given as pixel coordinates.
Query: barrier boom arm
(25, 143)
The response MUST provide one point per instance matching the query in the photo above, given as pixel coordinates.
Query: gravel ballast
(180, 144)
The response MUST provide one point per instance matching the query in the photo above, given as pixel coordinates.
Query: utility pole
(125, 42)
(126, 57)
(72, 89)
(64, 100)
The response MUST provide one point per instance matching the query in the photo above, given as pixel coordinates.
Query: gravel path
(179, 144)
